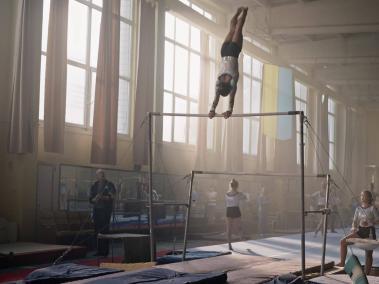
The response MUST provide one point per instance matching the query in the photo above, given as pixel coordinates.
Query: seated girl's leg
(343, 248)
(368, 264)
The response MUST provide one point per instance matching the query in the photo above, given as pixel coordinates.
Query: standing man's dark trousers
(101, 219)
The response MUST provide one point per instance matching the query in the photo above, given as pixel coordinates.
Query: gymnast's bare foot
(339, 264)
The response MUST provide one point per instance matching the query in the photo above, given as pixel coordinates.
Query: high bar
(256, 174)
(220, 115)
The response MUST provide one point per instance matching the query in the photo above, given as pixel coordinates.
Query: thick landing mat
(160, 276)
(245, 268)
(241, 268)
(66, 272)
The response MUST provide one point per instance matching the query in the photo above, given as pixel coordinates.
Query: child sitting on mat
(365, 217)
(227, 79)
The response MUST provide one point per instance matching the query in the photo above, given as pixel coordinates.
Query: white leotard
(369, 214)
(234, 200)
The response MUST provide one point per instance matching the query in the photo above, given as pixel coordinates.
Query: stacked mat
(161, 276)
(70, 272)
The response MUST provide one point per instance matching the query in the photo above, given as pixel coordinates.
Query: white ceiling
(335, 41)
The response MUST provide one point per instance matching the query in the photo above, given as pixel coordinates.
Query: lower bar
(257, 174)
(220, 115)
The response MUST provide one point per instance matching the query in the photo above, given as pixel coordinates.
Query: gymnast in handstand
(227, 79)
(365, 217)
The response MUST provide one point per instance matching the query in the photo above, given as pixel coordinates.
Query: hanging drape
(285, 145)
(359, 155)
(285, 152)
(228, 156)
(201, 147)
(312, 151)
(25, 77)
(277, 144)
(104, 137)
(56, 76)
(232, 143)
(322, 131)
(348, 141)
(145, 81)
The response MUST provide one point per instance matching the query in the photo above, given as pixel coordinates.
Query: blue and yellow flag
(277, 96)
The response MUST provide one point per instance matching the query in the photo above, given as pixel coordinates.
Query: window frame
(253, 78)
(188, 98)
(198, 8)
(90, 70)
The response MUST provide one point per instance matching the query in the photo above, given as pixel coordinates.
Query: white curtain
(312, 147)
(104, 137)
(201, 149)
(145, 81)
(359, 153)
(276, 155)
(228, 132)
(348, 143)
(26, 76)
(322, 143)
(56, 77)
(232, 138)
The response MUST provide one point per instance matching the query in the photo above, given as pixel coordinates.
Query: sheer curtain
(232, 140)
(348, 143)
(56, 77)
(228, 132)
(145, 92)
(313, 162)
(322, 145)
(285, 152)
(201, 149)
(26, 72)
(104, 137)
(359, 153)
(277, 155)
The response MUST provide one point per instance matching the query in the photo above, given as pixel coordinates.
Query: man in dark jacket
(102, 196)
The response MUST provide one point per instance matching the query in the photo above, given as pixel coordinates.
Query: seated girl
(365, 217)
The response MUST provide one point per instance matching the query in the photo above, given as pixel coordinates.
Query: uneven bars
(256, 174)
(301, 118)
(220, 115)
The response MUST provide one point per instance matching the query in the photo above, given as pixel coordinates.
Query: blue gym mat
(66, 272)
(161, 276)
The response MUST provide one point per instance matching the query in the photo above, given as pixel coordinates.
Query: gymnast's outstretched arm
(212, 111)
(232, 95)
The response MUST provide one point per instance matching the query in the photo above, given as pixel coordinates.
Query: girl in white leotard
(233, 212)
